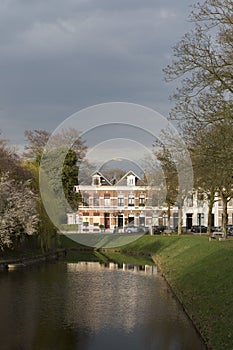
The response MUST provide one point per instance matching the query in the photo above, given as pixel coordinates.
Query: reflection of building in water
(91, 265)
(107, 294)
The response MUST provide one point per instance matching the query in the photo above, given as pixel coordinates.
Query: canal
(91, 306)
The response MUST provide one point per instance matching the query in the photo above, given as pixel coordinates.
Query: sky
(58, 57)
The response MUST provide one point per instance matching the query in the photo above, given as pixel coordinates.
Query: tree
(36, 141)
(212, 156)
(45, 230)
(171, 178)
(11, 163)
(68, 143)
(70, 174)
(203, 61)
(18, 215)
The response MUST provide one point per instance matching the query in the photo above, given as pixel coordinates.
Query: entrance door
(106, 220)
(189, 221)
(212, 220)
(120, 221)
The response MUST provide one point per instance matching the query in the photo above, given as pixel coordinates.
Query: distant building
(112, 205)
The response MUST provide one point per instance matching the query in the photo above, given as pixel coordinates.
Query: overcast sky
(58, 57)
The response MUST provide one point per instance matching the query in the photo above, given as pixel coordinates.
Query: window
(120, 200)
(141, 199)
(190, 200)
(200, 199)
(107, 199)
(96, 200)
(85, 223)
(131, 200)
(200, 219)
(85, 199)
(131, 180)
(141, 220)
(96, 181)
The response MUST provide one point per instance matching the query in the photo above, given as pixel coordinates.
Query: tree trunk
(224, 214)
(168, 216)
(179, 219)
(211, 204)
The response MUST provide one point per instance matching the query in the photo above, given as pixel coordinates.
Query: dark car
(157, 230)
(198, 229)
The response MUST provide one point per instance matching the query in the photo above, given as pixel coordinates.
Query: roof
(103, 178)
(123, 180)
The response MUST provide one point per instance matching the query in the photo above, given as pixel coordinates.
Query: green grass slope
(201, 275)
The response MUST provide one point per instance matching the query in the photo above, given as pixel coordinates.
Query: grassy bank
(201, 275)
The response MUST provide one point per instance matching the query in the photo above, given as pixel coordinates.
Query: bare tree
(36, 141)
(203, 62)
(212, 156)
(171, 178)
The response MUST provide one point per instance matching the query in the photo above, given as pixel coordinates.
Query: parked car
(135, 229)
(198, 229)
(229, 230)
(157, 230)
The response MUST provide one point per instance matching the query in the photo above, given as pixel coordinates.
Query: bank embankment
(200, 274)
(23, 261)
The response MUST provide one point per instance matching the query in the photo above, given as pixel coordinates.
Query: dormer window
(96, 180)
(131, 180)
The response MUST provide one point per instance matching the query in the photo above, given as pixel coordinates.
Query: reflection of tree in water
(32, 308)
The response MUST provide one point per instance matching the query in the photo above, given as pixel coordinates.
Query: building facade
(114, 205)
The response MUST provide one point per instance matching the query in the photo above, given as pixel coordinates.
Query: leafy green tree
(46, 231)
(58, 181)
(70, 174)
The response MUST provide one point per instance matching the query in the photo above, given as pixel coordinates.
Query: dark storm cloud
(59, 56)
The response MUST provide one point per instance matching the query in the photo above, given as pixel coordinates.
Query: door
(120, 221)
(106, 220)
(189, 221)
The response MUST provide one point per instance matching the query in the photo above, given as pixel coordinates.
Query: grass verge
(200, 273)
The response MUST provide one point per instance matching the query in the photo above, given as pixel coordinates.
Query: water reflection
(127, 302)
(91, 306)
(95, 265)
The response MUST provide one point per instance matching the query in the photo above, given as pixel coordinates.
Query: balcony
(114, 208)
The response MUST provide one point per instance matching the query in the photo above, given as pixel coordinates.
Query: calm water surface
(89, 306)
